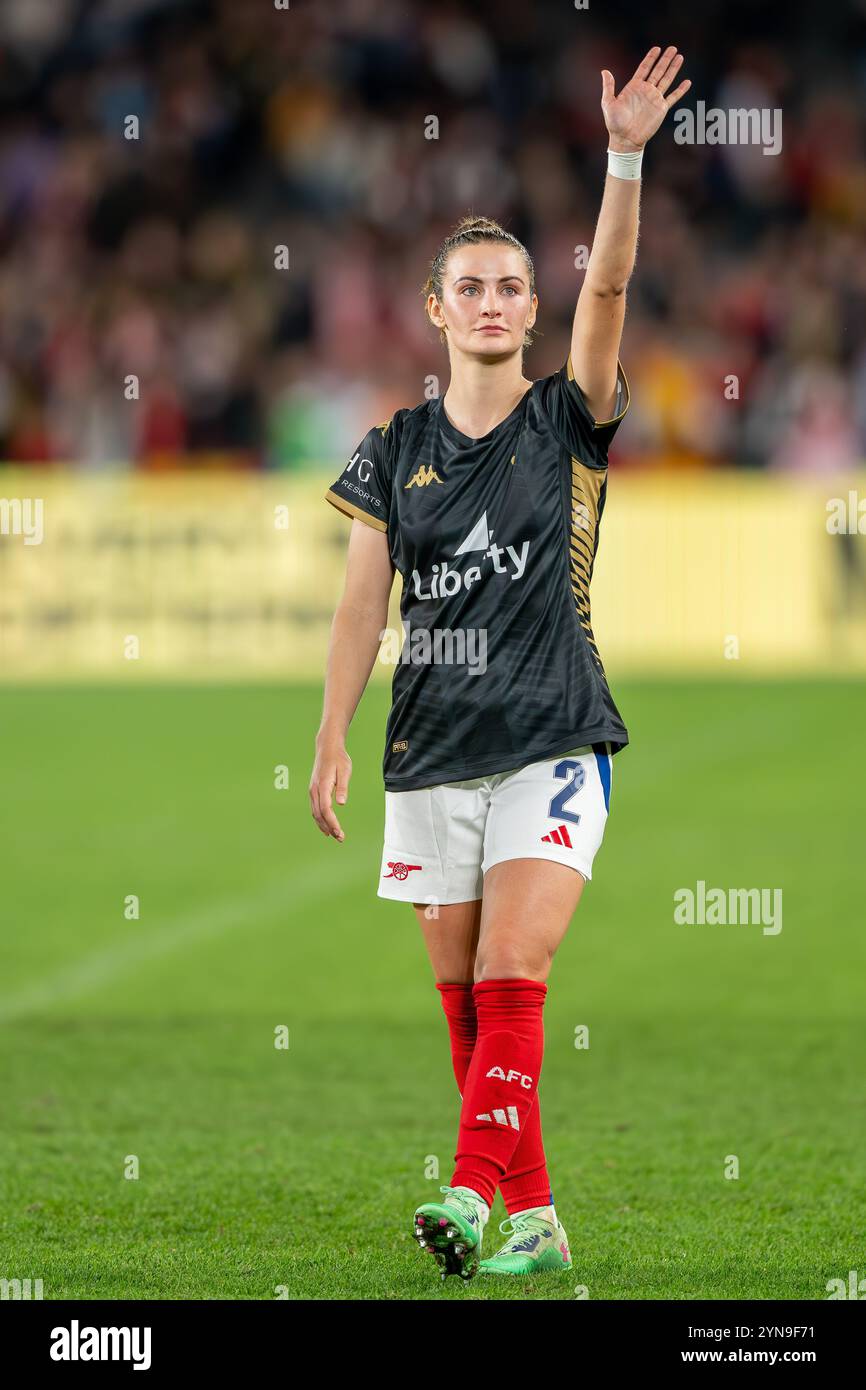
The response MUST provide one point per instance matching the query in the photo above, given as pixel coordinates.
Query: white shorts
(440, 841)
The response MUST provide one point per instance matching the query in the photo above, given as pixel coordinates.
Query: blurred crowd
(216, 218)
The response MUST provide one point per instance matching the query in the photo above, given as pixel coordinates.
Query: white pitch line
(149, 944)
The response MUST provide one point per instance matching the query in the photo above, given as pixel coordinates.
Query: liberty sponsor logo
(77, 1343)
(504, 560)
(424, 476)
(399, 870)
(511, 1075)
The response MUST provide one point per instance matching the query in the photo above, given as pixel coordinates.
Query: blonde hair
(470, 231)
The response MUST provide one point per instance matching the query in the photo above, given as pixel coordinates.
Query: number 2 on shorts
(576, 780)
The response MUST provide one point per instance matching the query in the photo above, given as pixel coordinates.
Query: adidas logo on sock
(559, 836)
(502, 1117)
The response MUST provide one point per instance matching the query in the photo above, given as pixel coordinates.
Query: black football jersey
(495, 540)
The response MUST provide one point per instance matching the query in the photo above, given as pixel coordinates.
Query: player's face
(487, 304)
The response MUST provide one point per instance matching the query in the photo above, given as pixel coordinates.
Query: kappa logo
(445, 581)
(525, 1081)
(400, 870)
(425, 475)
(499, 1117)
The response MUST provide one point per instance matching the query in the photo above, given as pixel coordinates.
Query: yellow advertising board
(235, 577)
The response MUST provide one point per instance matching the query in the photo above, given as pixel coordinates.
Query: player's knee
(510, 965)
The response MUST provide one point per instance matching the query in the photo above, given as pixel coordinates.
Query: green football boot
(535, 1243)
(452, 1230)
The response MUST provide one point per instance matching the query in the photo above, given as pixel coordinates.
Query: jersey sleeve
(363, 489)
(572, 420)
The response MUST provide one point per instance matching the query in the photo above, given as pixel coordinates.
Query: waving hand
(636, 114)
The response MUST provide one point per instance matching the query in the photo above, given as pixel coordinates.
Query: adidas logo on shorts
(559, 836)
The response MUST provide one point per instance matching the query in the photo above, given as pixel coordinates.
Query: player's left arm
(631, 119)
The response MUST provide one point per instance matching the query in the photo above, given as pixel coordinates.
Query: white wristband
(624, 166)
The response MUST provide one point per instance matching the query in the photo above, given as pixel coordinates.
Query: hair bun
(476, 224)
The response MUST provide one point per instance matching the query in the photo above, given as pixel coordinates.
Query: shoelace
(523, 1224)
(460, 1199)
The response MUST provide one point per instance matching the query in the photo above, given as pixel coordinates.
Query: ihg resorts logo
(731, 907)
(22, 516)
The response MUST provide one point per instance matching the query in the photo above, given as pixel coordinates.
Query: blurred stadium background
(157, 258)
(253, 259)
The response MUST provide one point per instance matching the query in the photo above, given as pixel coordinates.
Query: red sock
(459, 1009)
(526, 1183)
(501, 1082)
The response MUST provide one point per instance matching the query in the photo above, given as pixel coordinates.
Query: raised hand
(636, 114)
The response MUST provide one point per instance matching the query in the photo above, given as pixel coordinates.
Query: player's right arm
(356, 633)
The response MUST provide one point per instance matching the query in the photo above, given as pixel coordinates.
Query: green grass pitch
(263, 1170)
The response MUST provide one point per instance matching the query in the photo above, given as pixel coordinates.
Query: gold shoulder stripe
(351, 510)
(586, 484)
(620, 373)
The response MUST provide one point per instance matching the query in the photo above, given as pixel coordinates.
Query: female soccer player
(498, 746)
